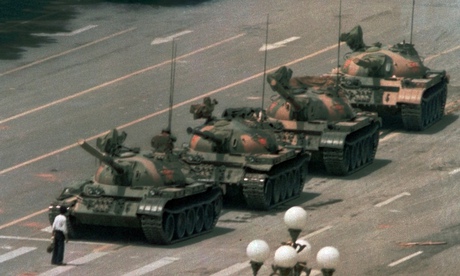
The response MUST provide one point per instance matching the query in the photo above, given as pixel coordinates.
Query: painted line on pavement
(232, 269)
(151, 267)
(65, 52)
(442, 53)
(70, 265)
(454, 171)
(23, 218)
(84, 29)
(13, 254)
(170, 38)
(392, 199)
(117, 80)
(316, 232)
(278, 44)
(47, 240)
(405, 259)
(155, 113)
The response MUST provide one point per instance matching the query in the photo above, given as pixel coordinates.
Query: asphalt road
(76, 69)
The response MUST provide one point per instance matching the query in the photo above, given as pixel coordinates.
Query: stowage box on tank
(393, 81)
(317, 118)
(243, 156)
(155, 192)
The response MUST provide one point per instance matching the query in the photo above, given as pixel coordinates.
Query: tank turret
(243, 155)
(307, 98)
(218, 141)
(316, 117)
(108, 160)
(393, 81)
(152, 191)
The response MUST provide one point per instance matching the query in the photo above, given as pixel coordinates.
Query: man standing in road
(60, 235)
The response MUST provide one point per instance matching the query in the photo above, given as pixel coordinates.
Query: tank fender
(334, 140)
(152, 206)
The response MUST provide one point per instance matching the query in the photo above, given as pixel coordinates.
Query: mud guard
(335, 140)
(152, 206)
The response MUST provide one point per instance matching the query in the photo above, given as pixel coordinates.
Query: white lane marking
(85, 259)
(316, 232)
(392, 199)
(454, 171)
(47, 240)
(442, 53)
(151, 267)
(218, 90)
(65, 52)
(48, 229)
(315, 272)
(170, 38)
(167, 62)
(278, 44)
(13, 254)
(405, 259)
(389, 136)
(232, 269)
(89, 27)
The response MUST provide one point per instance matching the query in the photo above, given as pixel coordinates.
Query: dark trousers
(58, 252)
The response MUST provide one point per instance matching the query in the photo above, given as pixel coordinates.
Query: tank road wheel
(346, 164)
(168, 229)
(208, 216)
(199, 219)
(354, 158)
(190, 222)
(368, 150)
(268, 193)
(291, 185)
(282, 180)
(218, 203)
(181, 221)
(276, 191)
(303, 172)
(297, 180)
(74, 228)
(364, 151)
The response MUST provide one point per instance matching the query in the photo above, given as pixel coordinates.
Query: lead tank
(317, 118)
(155, 192)
(242, 154)
(393, 81)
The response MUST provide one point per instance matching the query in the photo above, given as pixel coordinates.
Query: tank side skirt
(153, 227)
(420, 116)
(333, 158)
(254, 189)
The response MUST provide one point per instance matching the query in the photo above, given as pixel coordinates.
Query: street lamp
(291, 257)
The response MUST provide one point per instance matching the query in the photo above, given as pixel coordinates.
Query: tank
(242, 154)
(316, 117)
(393, 81)
(152, 191)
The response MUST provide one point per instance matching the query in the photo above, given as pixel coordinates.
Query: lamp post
(291, 257)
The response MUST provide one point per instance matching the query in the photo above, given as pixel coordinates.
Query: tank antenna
(265, 64)
(412, 21)
(171, 85)
(338, 44)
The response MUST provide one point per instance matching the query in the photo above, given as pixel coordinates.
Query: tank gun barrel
(284, 92)
(102, 157)
(205, 135)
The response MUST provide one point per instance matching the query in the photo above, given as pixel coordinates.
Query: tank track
(266, 191)
(359, 151)
(183, 221)
(417, 117)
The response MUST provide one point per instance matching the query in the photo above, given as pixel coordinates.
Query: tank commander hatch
(163, 142)
(203, 110)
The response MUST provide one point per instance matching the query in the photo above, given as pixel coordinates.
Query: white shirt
(60, 224)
